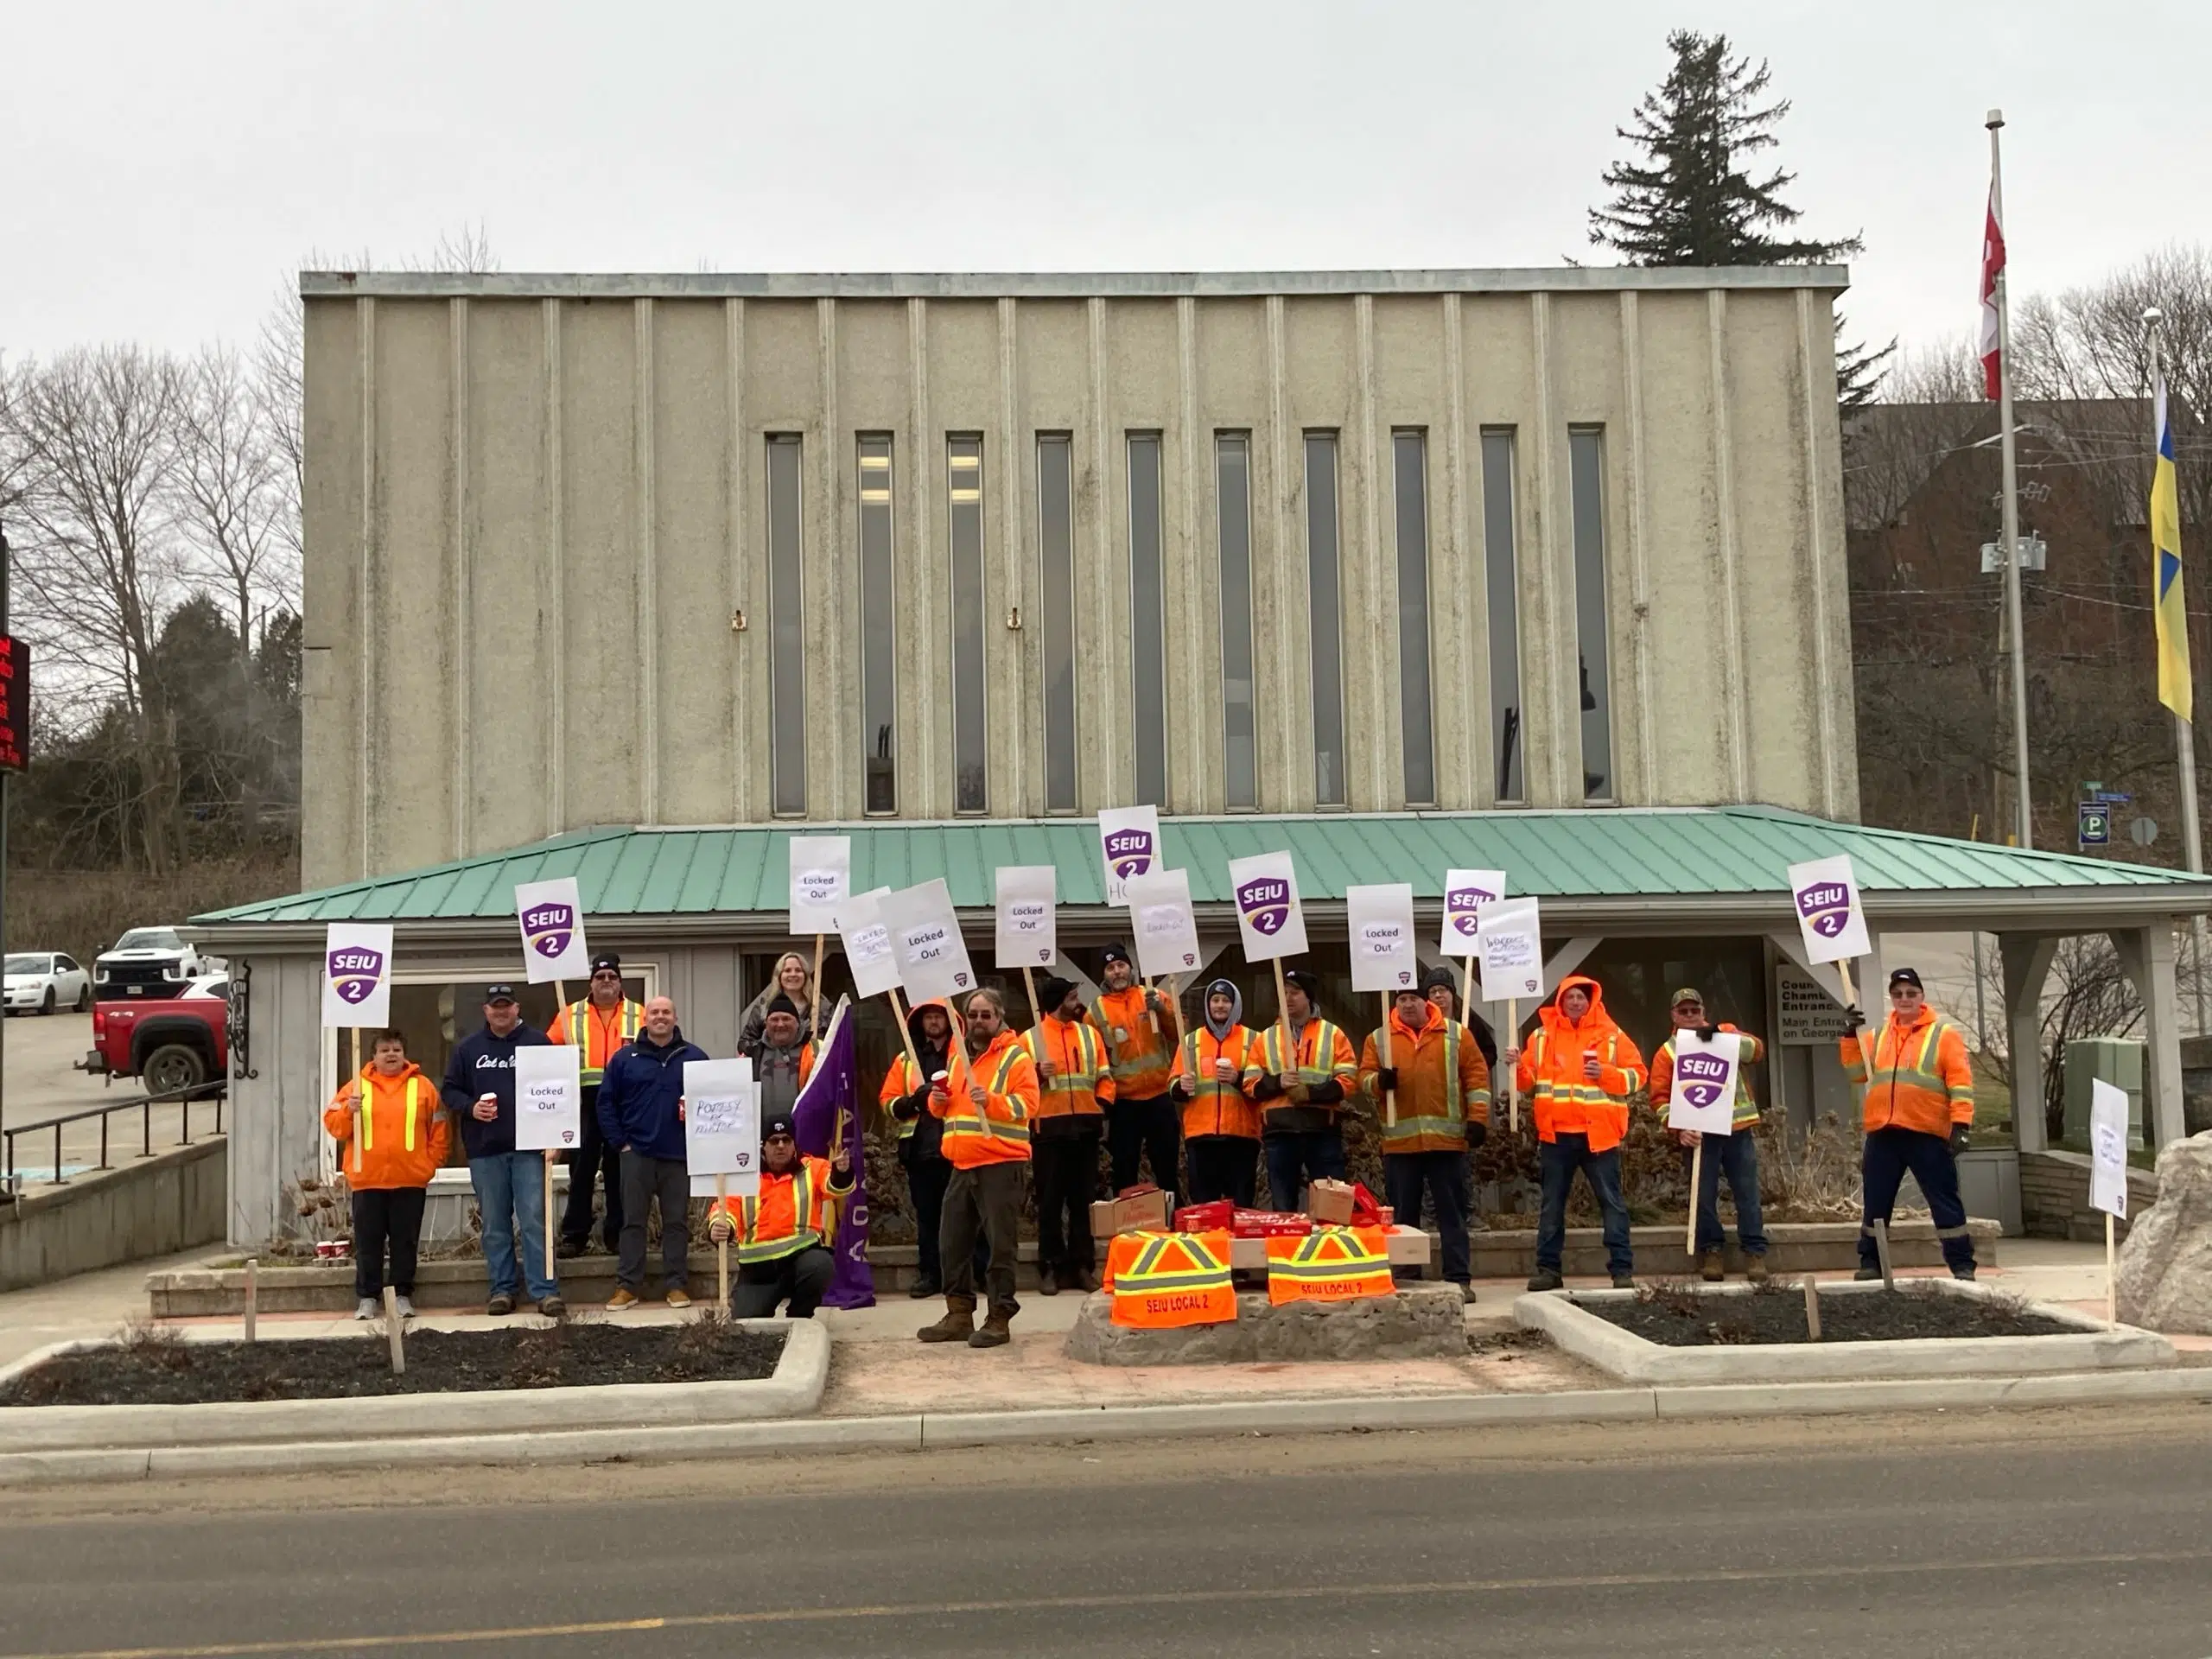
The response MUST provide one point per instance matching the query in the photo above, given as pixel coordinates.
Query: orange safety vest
(1329, 1264)
(1143, 1059)
(605, 1034)
(411, 1098)
(1215, 1107)
(1160, 1281)
(1077, 1054)
(1000, 1134)
(789, 1214)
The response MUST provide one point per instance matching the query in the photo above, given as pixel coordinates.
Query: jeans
(1736, 1156)
(1443, 1176)
(1891, 1152)
(382, 1214)
(1224, 1166)
(1135, 1128)
(646, 1181)
(1066, 1172)
(1294, 1160)
(983, 1202)
(1557, 1161)
(593, 1158)
(511, 1196)
(800, 1277)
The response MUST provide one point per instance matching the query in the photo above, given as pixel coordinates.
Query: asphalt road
(2061, 1533)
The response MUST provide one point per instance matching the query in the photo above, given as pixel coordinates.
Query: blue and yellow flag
(2174, 685)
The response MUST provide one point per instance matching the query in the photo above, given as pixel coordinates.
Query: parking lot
(39, 1083)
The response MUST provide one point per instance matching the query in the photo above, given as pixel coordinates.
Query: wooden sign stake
(252, 1292)
(1513, 1072)
(391, 1331)
(814, 995)
(1812, 1309)
(1390, 1096)
(721, 1250)
(1882, 1252)
(361, 1095)
(2112, 1275)
(1851, 996)
(1151, 1011)
(1697, 1169)
(1036, 1014)
(580, 1040)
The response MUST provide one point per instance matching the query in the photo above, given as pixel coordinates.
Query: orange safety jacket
(790, 1213)
(398, 1138)
(1321, 1053)
(606, 1031)
(1143, 1060)
(1160, 1281)
(1080, 1083)
(1550, 1073)
(1216, 1107)
(1443, 1085)
(1747, 1108)
(1922, 1079)
(1329, 1264)
(999, 1134)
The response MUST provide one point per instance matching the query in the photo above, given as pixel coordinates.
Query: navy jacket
(639, 1093)
(485, 1064)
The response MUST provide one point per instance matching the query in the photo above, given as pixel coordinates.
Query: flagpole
(2010, 534)
(2192, 841)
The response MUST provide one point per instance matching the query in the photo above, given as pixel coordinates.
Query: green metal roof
(1666, 860)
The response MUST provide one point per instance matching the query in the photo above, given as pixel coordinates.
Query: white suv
(149, 961)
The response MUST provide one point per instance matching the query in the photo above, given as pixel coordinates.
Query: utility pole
(2010, 537)
(23, 692)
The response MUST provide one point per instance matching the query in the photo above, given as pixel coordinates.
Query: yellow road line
(1120, 1603)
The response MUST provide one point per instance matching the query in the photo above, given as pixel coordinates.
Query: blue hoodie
(639, 1093)
(485, 1064)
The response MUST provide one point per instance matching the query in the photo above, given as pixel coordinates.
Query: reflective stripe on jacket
(789, 1213)
(999, 1135)
(1323, 1054)
(398, 1138)
(1329, 1264)
(1749, 1051)
(1216, 1107)
(1550, 1073)
(1443, 1085)
(1143, 1060)
(1922, 1079)
(1159, 1282)
(605, 1034)
(1076, 1054)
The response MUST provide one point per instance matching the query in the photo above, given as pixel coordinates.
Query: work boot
(1711, 1267)
(568, 1250)
(958, 1324)
(1624, 1281)
(1965, 1273)
(1048, 1282)
(1545, 1278)
(1466, 1292)
(1867, 1273)
(1755, 1269)
(996, 1331)
(922, 1289)
(552, 1308)
(500, 1305)
(1086, 1280)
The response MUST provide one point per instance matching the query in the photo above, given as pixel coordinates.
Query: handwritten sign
(1509, 940)
(2108, 1148)
(1703, 1100)
(1465, 892)
(1167, 932)
(552, 917)
(868, 943)
(1028, 930)
(549, 1098)
(925, 942)
(356, 975)
(821, 870)
(1824, 893)
(1380, 921)
(1268, 911)
(722, 1125)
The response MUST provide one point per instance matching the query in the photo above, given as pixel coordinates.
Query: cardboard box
(1147, 1210)
(1330, 1203)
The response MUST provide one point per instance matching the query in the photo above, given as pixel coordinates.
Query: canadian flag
(1992, 267)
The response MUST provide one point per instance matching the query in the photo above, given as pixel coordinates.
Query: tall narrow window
(1056, 544)
(1147, 624)
(879, 629)
(1586, 465)
(964, 460)
(1232, 460)
(786, 639)
(1501, 586)
(1325, 626)
(1414, 717)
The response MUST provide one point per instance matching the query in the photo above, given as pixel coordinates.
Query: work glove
(1386, 1078)
(1958, 1139)
(1268, 1087)
(1853, 1018)
(1477, 1133)
(1707, 1033)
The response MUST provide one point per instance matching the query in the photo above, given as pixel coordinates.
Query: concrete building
(628, 577)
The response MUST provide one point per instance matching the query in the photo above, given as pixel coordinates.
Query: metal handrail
(143, 1104)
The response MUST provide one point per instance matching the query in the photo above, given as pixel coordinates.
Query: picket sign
(1164, 930)
(1510, 938)
(549, 1115)
(1380, 919)
(1128, 846)
(551, 915)
(1703, 1100)
(1824, 894)
(821, 876)
(2109, 1176)
(1027, 920)
(1465, 892)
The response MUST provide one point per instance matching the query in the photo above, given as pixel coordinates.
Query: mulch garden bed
(1678, 1317)
(156, 1368)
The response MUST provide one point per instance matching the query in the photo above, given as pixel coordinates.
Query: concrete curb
(919, 1432)
(1567, 1319)
(793, 1390)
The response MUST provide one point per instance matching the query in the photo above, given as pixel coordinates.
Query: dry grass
(82, 911)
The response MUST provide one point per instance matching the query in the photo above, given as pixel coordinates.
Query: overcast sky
(162, 166)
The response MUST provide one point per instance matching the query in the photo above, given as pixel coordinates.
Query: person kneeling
(780, 1234)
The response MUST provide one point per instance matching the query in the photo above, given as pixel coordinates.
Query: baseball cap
(1688, 993)
(499, 993)
(1906, 977)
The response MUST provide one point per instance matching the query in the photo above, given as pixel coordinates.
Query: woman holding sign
(391, 1138)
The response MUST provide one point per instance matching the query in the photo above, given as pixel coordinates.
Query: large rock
(1417, 1322)
(2165, 1266)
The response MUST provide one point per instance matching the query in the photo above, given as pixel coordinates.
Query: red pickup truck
(169, 1043)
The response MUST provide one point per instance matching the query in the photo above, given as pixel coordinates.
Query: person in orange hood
(1579, 1070)
(392, 1135)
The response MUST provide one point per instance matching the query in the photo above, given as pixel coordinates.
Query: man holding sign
(1735, 1155)
(1300, 1090)
(1442, 1089)
(1579, 1070)
(599, 1027)
(1919, 1107)
(1141, 1031)
(479, 1092)
(782, 1252)
(985, 1099)
(641, 1114)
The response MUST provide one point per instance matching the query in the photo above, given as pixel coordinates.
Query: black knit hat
(1440, 976)
(778, 1124)
(780, 1004)
(1114, 953)
(1305, 981)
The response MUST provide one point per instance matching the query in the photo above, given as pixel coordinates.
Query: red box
(1205, 1217)
(1270, 1224)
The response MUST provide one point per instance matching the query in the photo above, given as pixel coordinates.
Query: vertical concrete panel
(1681, 518)
(275, 1118)
(461, 566)
(514, 662)
(1141, 392)
(1191, 579)
(1457, 597)
(875, 395)
(1550, 686)
(964, 398)
(331, 521)
(1588, 389)
(925, 762)
(555, 785)
(603, 698)
(1498, 389)
(643, 403)
(832, 577)
(1242, 345)
(699, 739)
(1408, 390)
(1323, 369)
(745, 551)
(1636, 563)
(782, 392)
(411, 646)
(1049, 353)
(1105, 756)
(1825, 575)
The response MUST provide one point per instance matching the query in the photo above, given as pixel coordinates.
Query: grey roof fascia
(1049, 285)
